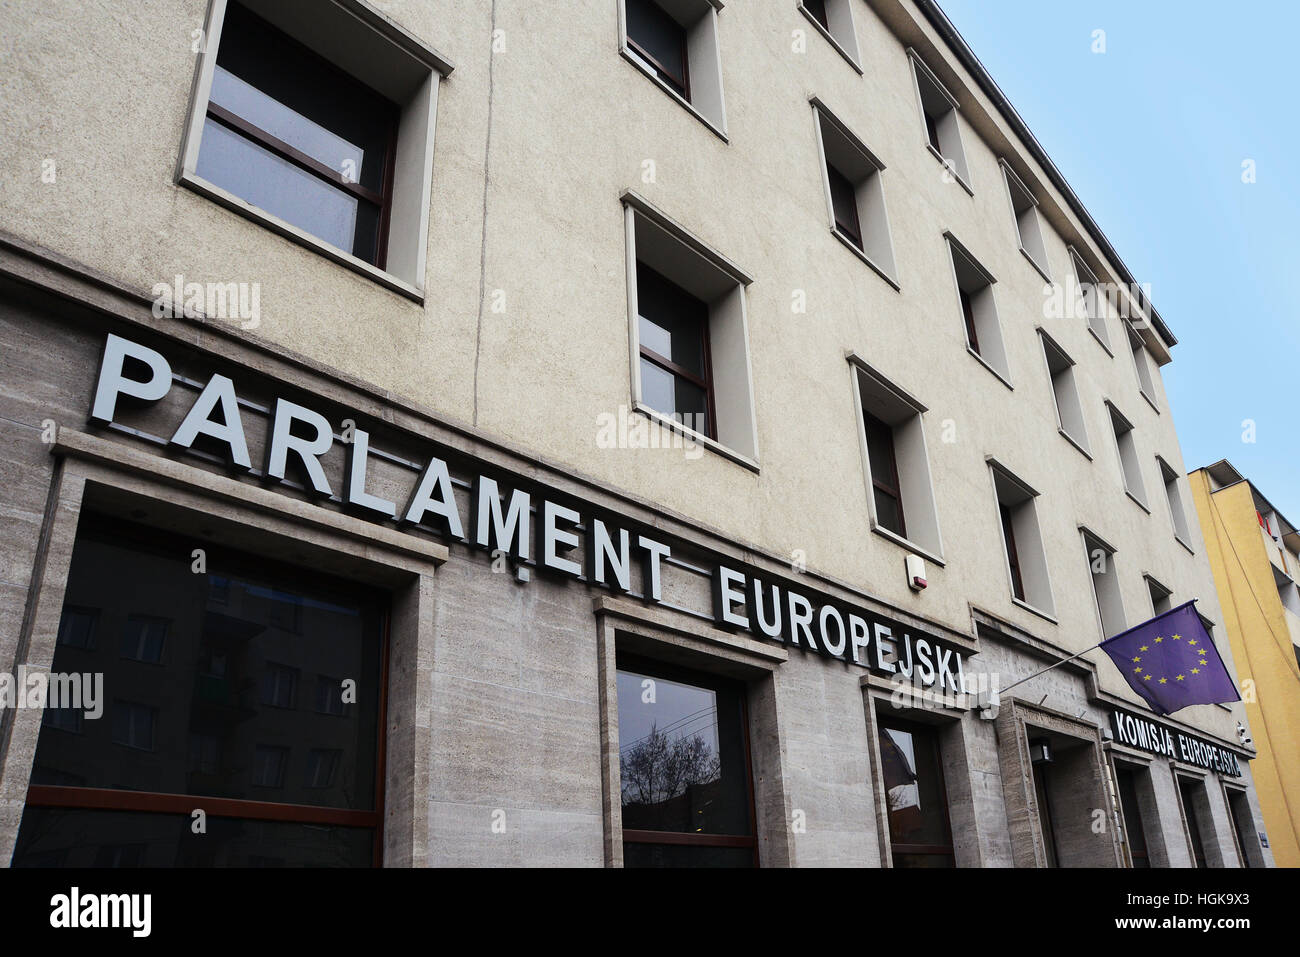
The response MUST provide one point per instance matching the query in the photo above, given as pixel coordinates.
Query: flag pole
(1044, 671)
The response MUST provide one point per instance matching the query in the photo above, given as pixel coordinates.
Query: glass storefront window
(684, 766)
(919, 831)
(248, 689)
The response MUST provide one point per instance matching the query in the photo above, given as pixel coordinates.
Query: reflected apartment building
(661, 454)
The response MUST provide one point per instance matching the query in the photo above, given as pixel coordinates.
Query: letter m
(223, 300)
(116, 910)
(494, 529)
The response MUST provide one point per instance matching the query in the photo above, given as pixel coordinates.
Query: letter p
(113, 381)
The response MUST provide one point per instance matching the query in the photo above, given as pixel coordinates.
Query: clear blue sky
(1151, 135)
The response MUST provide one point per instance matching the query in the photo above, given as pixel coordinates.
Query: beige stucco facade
(520, 339)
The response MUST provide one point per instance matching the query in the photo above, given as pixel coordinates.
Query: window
(279, 686)
(1287, 591)
(855, 195)
(1029, 229)
(675, 366)
(690, 345)
(205, 753)
(978, 312)
(290, 134)
(318, 123)
(1135, 835)
(133, 725)
(268, 766)
(1243, 827)
(675, 43)
(1128, 457)
(1142, 364)
(920, 834)
(77, 628)
(1192, 793)
(896, 462)
(939, 114)
(1089, 300)
(1065, 390)
(1105, 584)
(659, 42)
(888, 495)
(1022, 540)
(143, 637)
(686, 791)
(1174, 496)
(64, 719)
(188, 733)
(834, 20)
(329, 696)
(1160, 596)
(321, 765)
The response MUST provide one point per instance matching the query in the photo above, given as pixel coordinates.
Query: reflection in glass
(231, 704)
(668, 756)
(918, 807)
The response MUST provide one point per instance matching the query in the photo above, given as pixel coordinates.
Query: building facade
(1255, 554)
(457, 433)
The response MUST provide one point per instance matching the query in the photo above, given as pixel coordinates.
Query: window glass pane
(270, 116)
(77, 628)
(918, 810)
(674, 396)
(661, 37)
(266, 181)
(143, 638)
(888, 512)
(59, 837)
(681, 757)
(880, 451)
(845, 203)
(273, 82)
(672, 323)
(229, 711)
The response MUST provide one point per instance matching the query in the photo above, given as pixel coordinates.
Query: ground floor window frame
(110, 799)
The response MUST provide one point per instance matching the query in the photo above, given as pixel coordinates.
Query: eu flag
(1171, 662)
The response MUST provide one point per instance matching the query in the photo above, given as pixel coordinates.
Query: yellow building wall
(1262, 650)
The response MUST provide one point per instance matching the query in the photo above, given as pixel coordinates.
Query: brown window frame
(255, 134)
(111, 799)
(1013, 556)
(879, 485)
(654, 668)
(931, 734)
(704, 383)
(682, 86)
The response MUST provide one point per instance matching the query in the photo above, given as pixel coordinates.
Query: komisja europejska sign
(1147, 734)
(535, 528)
